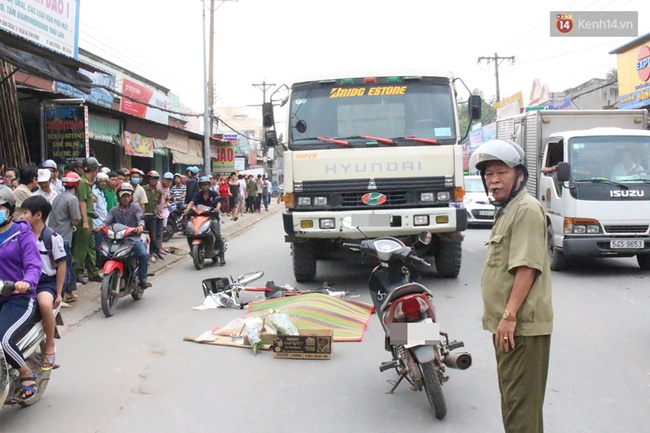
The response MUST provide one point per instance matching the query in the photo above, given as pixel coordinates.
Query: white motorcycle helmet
(506, 151)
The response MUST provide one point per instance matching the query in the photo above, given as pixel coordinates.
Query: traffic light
(267, 115)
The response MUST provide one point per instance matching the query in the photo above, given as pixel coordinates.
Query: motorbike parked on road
(174, 220)
(200, 237)
(121, 266)
(420, 351)
(32, 345)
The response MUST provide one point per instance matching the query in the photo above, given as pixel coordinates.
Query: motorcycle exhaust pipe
(459, 361)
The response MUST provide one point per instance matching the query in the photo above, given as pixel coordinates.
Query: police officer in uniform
(516, 286)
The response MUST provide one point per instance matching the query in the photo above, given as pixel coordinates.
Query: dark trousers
(99, 239)
(70, 284)
(159, 232)
(522, 376)
(258, 202)
(143, 259)
(152, 228)
(250, 203)
(15, 314)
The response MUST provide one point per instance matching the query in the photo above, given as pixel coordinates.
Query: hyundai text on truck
(371, 156)
(595, 184)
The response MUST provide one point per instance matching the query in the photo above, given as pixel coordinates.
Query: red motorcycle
(200, 237)
(420, 351)
(121, 266)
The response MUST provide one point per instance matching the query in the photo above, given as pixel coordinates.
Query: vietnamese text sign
(65, 133)
(98, 95)
(137, 92)
(51, 23)
(594, 23)
(224, 160)
(138, 145)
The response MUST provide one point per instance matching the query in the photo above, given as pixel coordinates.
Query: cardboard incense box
(309, 344)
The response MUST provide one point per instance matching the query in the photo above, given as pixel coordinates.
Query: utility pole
(211, 67)
(497, 61)
(206, 105)
(264, 86)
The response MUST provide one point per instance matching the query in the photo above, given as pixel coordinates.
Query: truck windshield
(622, 159)
(388, 109)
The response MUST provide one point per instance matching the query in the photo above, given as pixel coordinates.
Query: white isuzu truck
(590, 169)
(370, 156)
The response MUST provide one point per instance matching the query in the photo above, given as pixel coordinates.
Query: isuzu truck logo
(627, 193)
(374, 199)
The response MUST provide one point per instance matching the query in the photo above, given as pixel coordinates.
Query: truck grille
(399, 192)
(626, 229)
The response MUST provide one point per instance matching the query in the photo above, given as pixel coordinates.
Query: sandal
(49, 361)
(70, 297)
(31, 389)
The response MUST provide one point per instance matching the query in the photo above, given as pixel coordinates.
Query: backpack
(47, 241)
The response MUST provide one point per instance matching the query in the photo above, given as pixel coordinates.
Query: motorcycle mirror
(425, 238)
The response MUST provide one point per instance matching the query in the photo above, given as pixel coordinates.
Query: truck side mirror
(474, 105)
(270, 138)
(563, 171)
(267, 115)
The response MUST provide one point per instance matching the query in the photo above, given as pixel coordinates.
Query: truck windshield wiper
(602, 180)
(419, 139)
(325, 139)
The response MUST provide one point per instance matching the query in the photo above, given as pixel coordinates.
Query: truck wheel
(448, 257)
(555, 257)
(304, 261)
(644, 261)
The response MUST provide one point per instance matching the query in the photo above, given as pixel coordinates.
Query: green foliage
(488, 114)
(612, 75)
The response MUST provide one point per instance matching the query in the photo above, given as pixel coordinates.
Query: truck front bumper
(388, 222)
(602, 246)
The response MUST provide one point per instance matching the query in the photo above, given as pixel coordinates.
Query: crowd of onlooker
(50, 231)
(84, 192)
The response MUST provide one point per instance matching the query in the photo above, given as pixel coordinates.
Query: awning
(185, 159)
(43, 67)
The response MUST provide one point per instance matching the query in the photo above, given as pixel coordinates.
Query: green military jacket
(518, 238)
(154, 195)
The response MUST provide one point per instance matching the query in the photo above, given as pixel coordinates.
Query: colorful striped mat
(347, 318)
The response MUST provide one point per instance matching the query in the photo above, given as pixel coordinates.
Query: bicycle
(226, 290)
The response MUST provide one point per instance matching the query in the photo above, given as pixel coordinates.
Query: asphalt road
(134, 373)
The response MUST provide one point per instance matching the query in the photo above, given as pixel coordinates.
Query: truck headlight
(327, 223)
(421, 220)
(426, 196)
(443, 196)
(320, 201)
(304, 201)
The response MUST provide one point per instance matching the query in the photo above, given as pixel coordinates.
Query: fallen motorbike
(407, 315)
(200, 237)
(121, 266)
(174, 220)
(32, 345)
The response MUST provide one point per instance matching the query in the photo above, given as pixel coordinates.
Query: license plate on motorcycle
(626, 244)
(414, 334)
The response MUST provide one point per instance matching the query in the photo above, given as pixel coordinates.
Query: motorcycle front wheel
(198, 256)
(109, 290)
(433, 388)
(168, 232)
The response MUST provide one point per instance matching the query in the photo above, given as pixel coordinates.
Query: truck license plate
(372, 220)
(489, 213)
(626, 244)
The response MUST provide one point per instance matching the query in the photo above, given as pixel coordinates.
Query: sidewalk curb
(89, 294)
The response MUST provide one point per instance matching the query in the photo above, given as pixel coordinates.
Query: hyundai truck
(371, 156)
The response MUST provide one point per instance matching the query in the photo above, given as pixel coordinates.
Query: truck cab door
(551, 191)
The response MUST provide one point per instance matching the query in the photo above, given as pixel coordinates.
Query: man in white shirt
(139, 194)
(45, 185)
(56, 183)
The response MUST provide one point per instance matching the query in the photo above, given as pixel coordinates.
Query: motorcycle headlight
(120, 235)
(123, 251)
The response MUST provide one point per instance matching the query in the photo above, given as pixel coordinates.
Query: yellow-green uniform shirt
(518, 238)
(154, 195)
(85, 194)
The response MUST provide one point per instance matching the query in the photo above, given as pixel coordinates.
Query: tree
(488, 114)
(612, 75)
